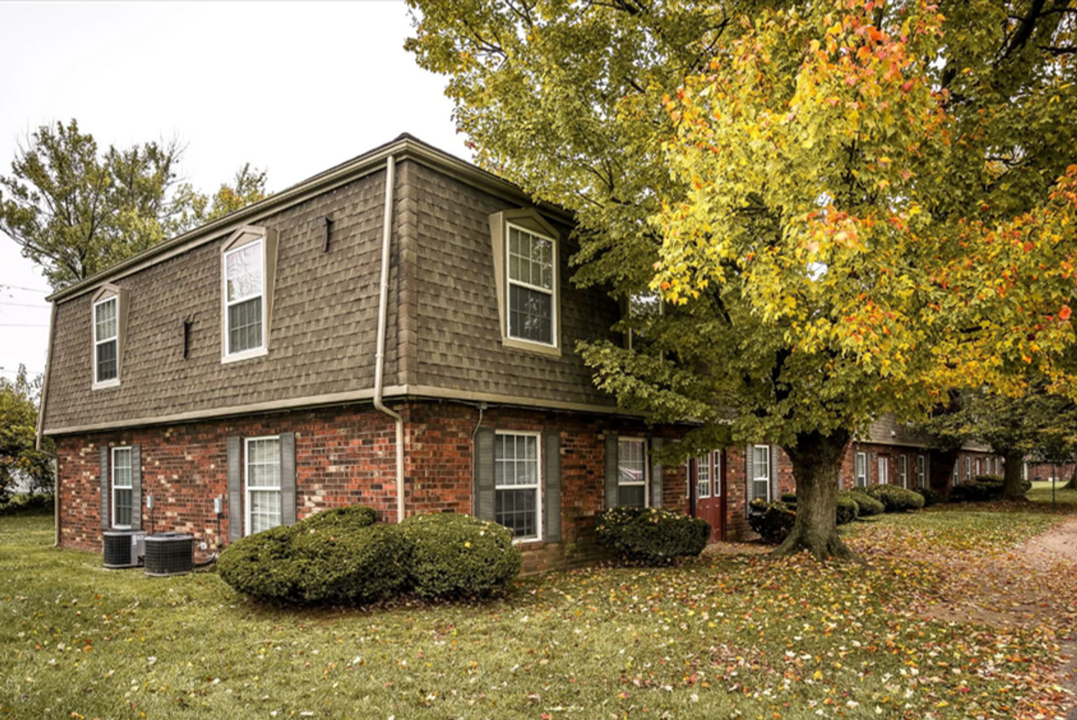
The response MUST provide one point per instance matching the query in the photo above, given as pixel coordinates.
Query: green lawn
(740, 636)
(1041, 493)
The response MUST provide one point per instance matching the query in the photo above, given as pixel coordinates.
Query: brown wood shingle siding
(321, 340)
(457, 336)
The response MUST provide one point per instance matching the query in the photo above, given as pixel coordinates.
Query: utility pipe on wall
(383, 317)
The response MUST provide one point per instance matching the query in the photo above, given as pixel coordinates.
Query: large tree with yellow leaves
(849, 208)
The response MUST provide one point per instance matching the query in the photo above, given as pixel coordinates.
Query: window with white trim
(262, 483)
(861, 464)
(517, 484)
(968, 469)
(122, 487)
(106, 340)
(717, 454)
(998, 466)
(761, 472)
(632, 472)
(703, 477)
(921, 471)
(903, 471)
(978, 468)
(532, 286)
(244, 289)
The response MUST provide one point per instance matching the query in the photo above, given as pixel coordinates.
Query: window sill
(106, 385)
(528, 346)
(528, 541)
(245, 355)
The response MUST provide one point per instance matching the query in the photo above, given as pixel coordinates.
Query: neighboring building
(397, 331)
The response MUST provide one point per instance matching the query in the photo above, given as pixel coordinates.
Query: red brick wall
(736, 490)
(346, 456)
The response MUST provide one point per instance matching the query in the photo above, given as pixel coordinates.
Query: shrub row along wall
(345, 456)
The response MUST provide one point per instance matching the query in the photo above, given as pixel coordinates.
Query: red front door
(707, 490)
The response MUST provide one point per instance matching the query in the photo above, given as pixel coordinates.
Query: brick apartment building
(397, 331)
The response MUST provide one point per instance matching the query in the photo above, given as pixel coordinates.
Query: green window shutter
(774, 493)
(484, 474)
(287, 478)
(551, 501)
(106, 489)
(235, 487)
(656, 474)
(611, 471)
(136, 487)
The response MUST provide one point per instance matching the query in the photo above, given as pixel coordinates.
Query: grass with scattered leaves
(725, 636)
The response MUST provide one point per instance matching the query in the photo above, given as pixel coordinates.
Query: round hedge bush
(931, 497)
(336, 556)
(772, 520)
(848, 510)
(651, 535)
(867, 505)
(263, 565)
(338, 520)
(459, 556)
(896, 499)
(357, 567)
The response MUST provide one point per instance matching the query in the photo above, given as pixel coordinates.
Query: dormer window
(248, 267)
(109, 321)
(532, 297)
(526, 275)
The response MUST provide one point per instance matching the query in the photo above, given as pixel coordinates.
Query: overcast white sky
(292, 88)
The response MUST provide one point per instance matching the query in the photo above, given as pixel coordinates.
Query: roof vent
(123, 548)
(170, 553)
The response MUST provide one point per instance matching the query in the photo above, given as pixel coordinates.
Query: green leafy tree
(19, 456)
(848, 207)
(1034, 423)
(76, 210)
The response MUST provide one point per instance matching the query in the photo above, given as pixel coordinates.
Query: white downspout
(383, 318)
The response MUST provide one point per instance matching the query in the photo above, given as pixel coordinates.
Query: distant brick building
(397, 331)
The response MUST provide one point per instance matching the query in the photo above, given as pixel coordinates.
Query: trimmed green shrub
(970, 492)
(652, 535)
(338, 520)
(867, 505)
(847, 510)
(896, 499)
(338, 556)
(931, 497)
(356, 567)
(772, 520)
(263, 565)
(459, 555)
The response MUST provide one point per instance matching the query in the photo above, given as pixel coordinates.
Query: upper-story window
(248, 266)
(532, 283)
(244, 289)
(525, 249)
(106, 339)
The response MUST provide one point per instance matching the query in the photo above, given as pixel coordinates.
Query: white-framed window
(978, 468)
(531, 261)
(518, 484)
(717, 455)
(244, 299)
(884, 470)
(861, 468)
(703, 477)
(122, 487)
(903, 471)
(921, 471)
(632, 472)
(106, 340)
(998, 466)
(262, 483)
(761, 472)
(968, 469)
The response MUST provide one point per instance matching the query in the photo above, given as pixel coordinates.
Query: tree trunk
(1072, 484)
(1011, 480)
(942, 469)
(816, 468)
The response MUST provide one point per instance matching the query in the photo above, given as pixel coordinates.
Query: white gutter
(383, 317)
